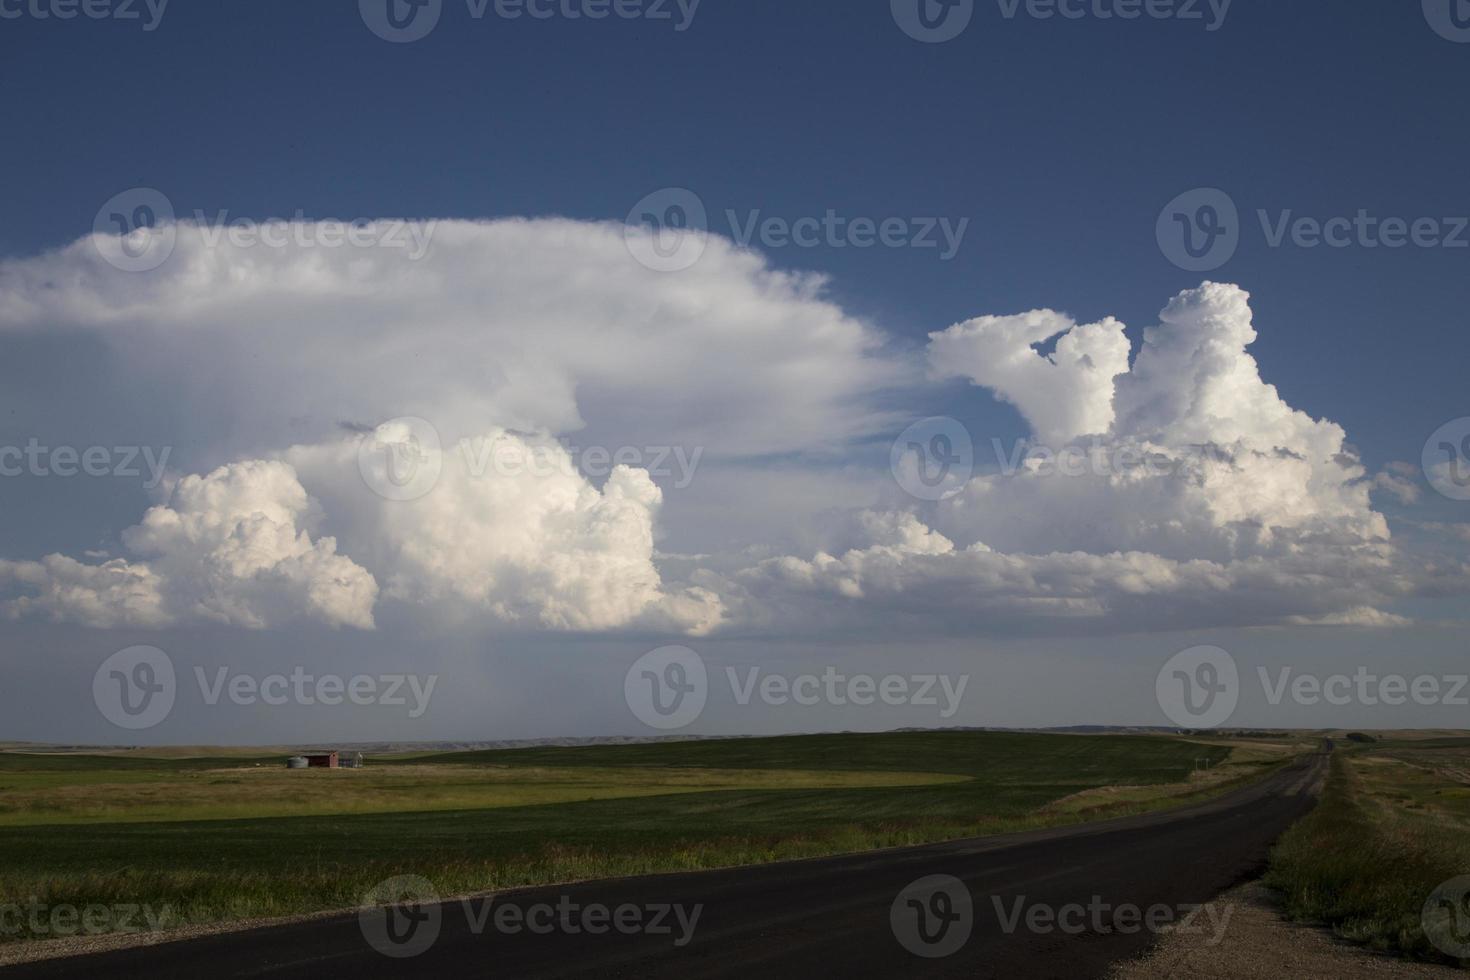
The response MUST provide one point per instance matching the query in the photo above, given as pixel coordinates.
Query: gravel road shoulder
(1260, 944)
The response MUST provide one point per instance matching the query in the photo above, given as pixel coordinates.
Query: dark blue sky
(1060, 141)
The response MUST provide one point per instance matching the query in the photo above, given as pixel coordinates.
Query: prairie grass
(1385, 835)
(52, 799)
(215, 840)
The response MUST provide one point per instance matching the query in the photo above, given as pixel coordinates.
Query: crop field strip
(537, 815)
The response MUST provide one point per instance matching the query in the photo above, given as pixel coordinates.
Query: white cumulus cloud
(1171, 486)
(511, 529)
(227, 547)
(1064, 394)
(1178, 490)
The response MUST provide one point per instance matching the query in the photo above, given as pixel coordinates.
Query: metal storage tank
(296, 762)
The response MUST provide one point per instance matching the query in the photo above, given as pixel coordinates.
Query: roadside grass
(205, 871)
(1248, 761)
(1385, 834)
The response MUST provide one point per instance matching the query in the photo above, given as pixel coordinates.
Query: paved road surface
(824, 917)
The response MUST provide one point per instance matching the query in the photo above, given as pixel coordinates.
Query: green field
(220, 838)
(1393, 824)
(103, 796)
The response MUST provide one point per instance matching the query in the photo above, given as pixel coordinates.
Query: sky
(695, 367)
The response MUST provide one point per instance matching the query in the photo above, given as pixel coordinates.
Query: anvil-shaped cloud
(1204, 498)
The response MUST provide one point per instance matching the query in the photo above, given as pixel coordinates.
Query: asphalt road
(1056, 903)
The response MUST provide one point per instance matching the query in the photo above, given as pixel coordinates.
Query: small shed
(322, 760)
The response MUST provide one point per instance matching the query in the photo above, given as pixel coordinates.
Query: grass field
(44, 798)
(1393, 824)
(218, 838)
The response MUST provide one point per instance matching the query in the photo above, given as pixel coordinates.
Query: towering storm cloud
(1167, 487)
(1178, 491)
